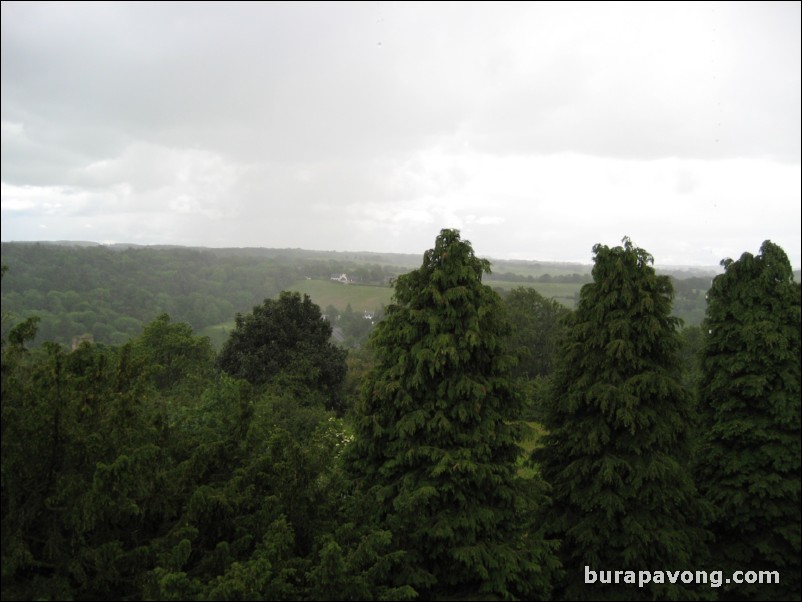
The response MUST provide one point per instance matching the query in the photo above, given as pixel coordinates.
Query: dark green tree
(690, 346)
(83, 487)
(536, 329)
(287, 339)
(175, 357)
(749, 463)
(355, 327)
(617, 447)
(128, 475)
(18, 334)
(436, 436)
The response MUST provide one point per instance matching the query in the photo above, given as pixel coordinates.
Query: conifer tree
(617, 447)
(749, 463)
(436, 436)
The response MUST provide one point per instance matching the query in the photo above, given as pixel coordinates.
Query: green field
(536, 269)
(323, 293)
(370, 298)
(564, 292)
(360, 297)
(218, 333)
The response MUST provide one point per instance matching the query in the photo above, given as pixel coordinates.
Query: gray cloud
(372, 125)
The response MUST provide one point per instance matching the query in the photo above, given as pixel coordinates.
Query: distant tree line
(563, 278)
(112, 293)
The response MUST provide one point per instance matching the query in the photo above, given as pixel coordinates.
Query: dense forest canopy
(471, 442)
(111, 293)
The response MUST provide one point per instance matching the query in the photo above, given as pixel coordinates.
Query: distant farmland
(361, 297)
(323, 293)
(563, 292)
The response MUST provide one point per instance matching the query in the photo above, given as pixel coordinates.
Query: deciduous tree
(286, 338)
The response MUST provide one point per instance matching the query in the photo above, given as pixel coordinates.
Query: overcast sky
(537, 129)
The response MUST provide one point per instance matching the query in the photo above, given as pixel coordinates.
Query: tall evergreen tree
(436, 437)
(749, 463)
(617, 447)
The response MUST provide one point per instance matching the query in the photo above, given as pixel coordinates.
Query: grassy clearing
(535, 269)
(323, 293)
(360, 297)
(531, 442)
(218, 333)
(564, 292)
(370, 298)
(363, 297)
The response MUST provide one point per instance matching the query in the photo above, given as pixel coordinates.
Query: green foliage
(690, 345)
(18, 334)
(139, 473)
(142, 472)
(749, 464)
(81, 490)
(689, 298)
(616, 448)
(112, 293)
(360, 362)
(354, 326)
(359, 570)
(536, 329)
(437, 436)
(287, 339)
(175, 355)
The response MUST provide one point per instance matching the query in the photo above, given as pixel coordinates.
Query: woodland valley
(281, 424)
